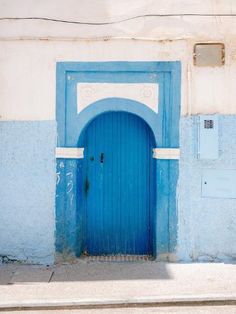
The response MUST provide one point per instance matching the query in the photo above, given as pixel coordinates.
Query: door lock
(102, 158)
(86, 186)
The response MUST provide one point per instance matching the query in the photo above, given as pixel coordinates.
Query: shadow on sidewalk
(82, 270)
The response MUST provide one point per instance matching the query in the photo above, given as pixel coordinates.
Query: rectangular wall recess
(219, 183)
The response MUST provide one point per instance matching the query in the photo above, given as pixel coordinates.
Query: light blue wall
(27, 190)
(206, 226)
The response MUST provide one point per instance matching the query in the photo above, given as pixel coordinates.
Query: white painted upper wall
(100, 10)
(29, 49)
(105, 11)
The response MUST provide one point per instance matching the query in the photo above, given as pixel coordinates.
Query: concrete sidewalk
(86, 284)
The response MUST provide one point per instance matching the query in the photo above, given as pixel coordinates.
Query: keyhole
(102, 158)
(86, 186)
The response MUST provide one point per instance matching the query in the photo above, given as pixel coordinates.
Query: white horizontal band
(166, 153)
(69, 152)
(76, 153)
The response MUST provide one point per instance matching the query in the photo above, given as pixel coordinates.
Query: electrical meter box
(208, 140)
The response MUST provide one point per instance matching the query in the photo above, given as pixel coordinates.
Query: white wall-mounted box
(208, 139)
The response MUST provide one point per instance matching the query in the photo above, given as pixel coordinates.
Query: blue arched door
(118, 185)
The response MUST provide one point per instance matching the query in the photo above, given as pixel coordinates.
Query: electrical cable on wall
(115, 22)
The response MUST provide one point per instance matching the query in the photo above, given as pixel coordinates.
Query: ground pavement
(119, 286)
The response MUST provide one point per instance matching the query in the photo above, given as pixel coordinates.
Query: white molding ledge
(166, 153)
(69, 152)
(77, 153)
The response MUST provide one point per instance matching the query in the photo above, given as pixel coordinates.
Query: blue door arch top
(71, 133)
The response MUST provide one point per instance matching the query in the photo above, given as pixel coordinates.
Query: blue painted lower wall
(27, 190)
(206, 227)
(68, 207)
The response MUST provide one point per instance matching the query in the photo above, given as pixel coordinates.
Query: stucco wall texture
(206, 226)
(29, 51)
(27, 191)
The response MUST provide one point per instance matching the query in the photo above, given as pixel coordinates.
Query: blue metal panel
(118, 154)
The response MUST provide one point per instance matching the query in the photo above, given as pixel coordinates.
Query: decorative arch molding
(115, 104)
(145, 93)
(71, 122)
